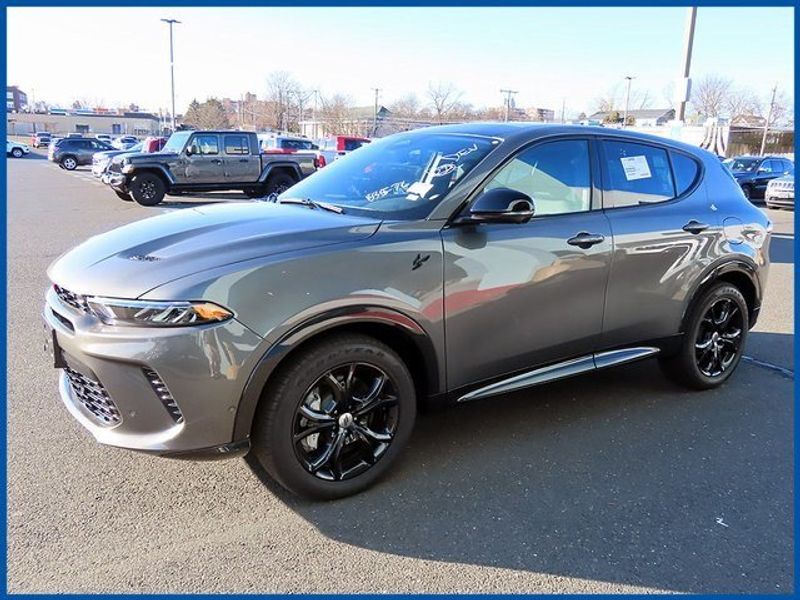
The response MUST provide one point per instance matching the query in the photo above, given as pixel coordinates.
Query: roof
(364, 112)
(644, 113)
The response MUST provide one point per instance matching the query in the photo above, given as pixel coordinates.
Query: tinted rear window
(686, 170)
(636, 174)
(350, 145)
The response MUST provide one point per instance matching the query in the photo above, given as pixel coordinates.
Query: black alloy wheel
(719, 338)
(346, 421)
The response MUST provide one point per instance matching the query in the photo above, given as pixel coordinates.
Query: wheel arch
(158, 170)
(283, 166)
(739, 272)
(401, 333)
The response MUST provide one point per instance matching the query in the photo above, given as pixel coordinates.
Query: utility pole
(375, 114)
(563, 110)
(627, 100)
(691, 18)
(172, 22)
(508, 94)
(769, 118)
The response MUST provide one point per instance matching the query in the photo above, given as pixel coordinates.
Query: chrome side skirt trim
(562, 370)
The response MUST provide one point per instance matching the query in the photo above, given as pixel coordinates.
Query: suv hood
(131, 260)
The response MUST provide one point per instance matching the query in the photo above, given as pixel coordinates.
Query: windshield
(399, 177)
(176, 141)
(741, 164)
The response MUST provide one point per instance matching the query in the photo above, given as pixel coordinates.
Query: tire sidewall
(284, 464)
(67, 160)
(17, 153)
(715, 294)
(279, 180)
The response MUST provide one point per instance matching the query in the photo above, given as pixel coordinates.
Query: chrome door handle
(586, 240)
(695, 227)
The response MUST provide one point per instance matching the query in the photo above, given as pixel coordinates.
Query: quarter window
(205, 144)
(555, 175)
(636, 174)
(685, 170)
(237, 144)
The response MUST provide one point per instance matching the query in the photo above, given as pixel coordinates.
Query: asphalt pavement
(614, 482)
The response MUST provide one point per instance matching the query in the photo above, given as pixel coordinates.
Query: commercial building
(16, 99)
(131, 123)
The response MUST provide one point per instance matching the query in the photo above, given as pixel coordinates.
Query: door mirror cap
(499, 205)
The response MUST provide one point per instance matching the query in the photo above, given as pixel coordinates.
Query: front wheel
(336, 418)
(147, 189)
(17, 152)
(714, 340)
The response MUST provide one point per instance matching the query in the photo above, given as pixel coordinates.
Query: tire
(362, 459)
(17, 152)
(713, 344)
(147, 189)
(279, 183)
(748, 191)
(70, 163)
(124, 196)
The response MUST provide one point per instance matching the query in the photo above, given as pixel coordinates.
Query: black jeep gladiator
(206, 161)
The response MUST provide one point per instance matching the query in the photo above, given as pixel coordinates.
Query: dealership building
(124, 123)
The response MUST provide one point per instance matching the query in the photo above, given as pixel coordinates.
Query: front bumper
(99, 168)
(779, 197)
(108, 372)
(117, 181)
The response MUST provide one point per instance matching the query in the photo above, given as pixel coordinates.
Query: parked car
(74, 135)
(124, 142)
(16, 149)
(204, 161)
(40, 139)
(103, 137)
(780, 192)
(446, 264)
(287, 144)
(754, 172)
(71, 153)
(101, 160)
(339, 145)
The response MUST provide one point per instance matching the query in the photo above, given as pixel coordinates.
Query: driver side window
(205, 145)
(555, 175)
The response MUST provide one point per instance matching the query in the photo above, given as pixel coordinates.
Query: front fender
(152, 167)
(327, 322)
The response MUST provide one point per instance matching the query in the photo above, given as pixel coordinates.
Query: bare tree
(444, 97)
(709, 95)
(280, 91)
(608, 101)
(742, 101)
(641, 99)
(407, 107)
(782, 110)
(337, 116)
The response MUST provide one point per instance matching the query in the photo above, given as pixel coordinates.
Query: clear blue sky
(545, 53)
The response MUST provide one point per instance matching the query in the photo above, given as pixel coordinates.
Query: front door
(241, 164)
(204, 162)
(518, 296)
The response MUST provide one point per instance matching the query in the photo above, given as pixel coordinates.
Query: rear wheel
(748, 191)
(278, 183)
(17, 152)
(70, 163)
(335, 419)
(147, 189)
(714, 341)
(255, 192)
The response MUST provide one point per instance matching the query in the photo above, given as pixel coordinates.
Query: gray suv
(442, 265)
(70, 153)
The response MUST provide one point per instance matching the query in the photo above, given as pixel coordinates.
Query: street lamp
(172, 22)
(627, 100)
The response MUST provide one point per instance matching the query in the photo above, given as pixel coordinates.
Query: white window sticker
(418, 189)
(635, 167)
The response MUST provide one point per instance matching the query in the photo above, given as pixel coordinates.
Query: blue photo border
(328, 4)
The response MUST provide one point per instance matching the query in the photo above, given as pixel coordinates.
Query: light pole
(769, 118)
(375, 114)
(172, 22)
(627, 100)
(685, 91)
(508, 94)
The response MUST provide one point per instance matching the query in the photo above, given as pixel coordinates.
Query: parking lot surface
(615, 482)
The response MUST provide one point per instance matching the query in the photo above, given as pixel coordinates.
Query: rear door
(204, 164)
(241, 161)
(665, 229)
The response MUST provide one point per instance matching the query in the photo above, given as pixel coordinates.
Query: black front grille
(72, 299)
(93, 396)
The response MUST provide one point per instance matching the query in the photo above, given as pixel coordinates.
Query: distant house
(645, 117)
(748, 121)
(16, 99)
(359, 120)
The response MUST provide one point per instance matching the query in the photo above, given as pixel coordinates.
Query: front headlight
(156, 313)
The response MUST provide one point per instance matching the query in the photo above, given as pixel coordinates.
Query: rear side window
(237, 144)
(351, 144)
(636, 174)
(686, 171)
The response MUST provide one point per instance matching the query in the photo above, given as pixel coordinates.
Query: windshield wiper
(312, 204)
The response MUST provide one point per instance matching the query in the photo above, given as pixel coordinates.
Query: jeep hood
(133, 259)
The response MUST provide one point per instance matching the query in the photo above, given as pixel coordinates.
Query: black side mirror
(188, 150)
(499, 205)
